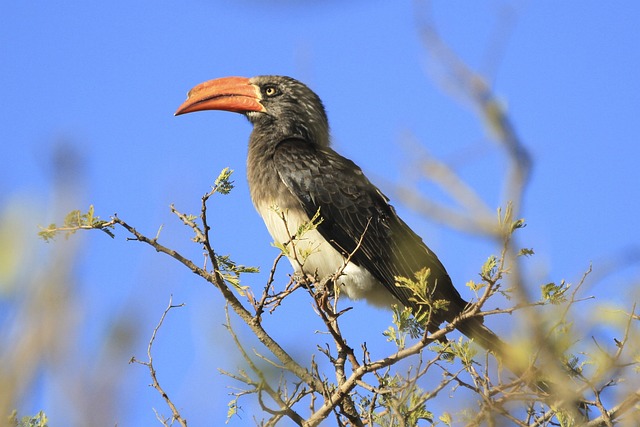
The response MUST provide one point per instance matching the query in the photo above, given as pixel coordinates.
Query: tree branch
(149, 364)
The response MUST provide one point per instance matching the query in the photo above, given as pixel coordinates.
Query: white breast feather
(319, 258)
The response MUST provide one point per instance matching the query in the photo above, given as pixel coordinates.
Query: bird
(294, 176)
(357, 239)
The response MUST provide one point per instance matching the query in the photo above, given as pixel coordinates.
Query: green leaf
(307, 226)
(444, 350)
(48, 233)
(233, 409)
(555, 294)
(518, 224)
(283, 248)
(421, 294)
(406, 325)
(460, 349)
(223, 184)
(74, 221)
(525, 252)
(230, 272)
(446, 418)
(489, 267)
(475, 286)
(38, 420)
(506, 222)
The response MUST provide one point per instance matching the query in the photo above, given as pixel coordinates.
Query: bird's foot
(306, 280)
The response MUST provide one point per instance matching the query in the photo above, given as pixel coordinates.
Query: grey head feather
(292, 111)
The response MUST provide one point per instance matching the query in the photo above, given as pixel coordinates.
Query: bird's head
(279, 106)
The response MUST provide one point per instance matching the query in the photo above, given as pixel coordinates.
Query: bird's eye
(270, 91)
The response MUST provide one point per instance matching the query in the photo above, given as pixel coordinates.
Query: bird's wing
(354, 212)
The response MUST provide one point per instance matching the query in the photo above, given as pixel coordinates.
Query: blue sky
(107, 78)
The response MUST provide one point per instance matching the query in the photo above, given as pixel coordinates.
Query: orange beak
(234, 94)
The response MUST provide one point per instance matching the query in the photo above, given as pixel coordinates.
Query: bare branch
(263, 384)
(149, 364)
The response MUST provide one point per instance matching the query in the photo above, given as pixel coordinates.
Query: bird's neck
(269, 130)
(264, 182)
(263, 177)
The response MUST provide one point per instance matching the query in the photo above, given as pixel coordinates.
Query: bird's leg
(312, 283)
(322, 294)
(322, 300)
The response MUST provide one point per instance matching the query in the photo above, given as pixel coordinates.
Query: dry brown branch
(152, 372)
(263, 384)
(349, 370)
(216, 279)
(628, 403)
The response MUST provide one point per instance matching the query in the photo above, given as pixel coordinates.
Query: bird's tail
(475, 329)
(506, 355)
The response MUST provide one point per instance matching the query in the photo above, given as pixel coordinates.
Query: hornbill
(293, 172)
(359, 241)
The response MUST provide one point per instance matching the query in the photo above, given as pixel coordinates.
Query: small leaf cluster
(38, 420)
(555, 294)
(230, 272)
(296, 235)
(404, 325)
(461, 349)
(409, 405)
(422, 295)
(223, 183)
(74, 221)
(402, 403)
(507, 224)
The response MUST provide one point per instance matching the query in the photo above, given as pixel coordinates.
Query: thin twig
(263, 384)
(149, 364)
